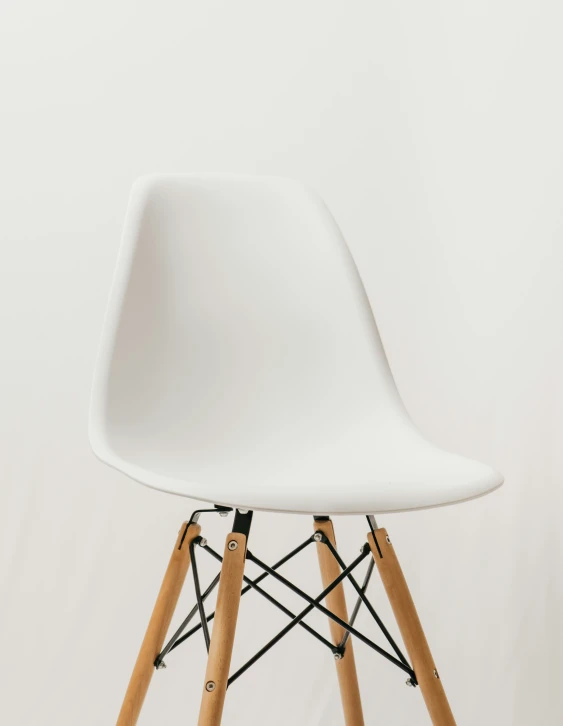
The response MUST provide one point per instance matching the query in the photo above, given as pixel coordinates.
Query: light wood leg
(411, 629)
(336, 602)
(158, 625)
(223, 635)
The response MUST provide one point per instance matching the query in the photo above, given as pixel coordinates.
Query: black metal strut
(363, 598)
(254, 585)
(242, 522)
(359, 602)
(315, 603)
(199, 597)
(176, 640)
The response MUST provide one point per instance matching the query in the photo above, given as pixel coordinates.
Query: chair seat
(369, 472)
(241, 364)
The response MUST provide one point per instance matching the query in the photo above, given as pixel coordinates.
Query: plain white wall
(433, 131)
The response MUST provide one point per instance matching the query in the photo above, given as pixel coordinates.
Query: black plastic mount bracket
(243, 520)
(218, 509)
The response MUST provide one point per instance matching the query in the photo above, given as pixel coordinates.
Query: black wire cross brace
(338, 650)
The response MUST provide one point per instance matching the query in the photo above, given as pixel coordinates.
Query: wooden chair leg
(158, 625)
(336, 602)
(223, 634)
(411, 629)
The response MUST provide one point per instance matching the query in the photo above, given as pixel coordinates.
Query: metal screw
(243, 511)
(203, 542)
(210, 686)
(318, 537)
(338, 656)
(436, 674)
(410, 683)
(223, 514)
(388, 540)
(233, 544)
(161, 665)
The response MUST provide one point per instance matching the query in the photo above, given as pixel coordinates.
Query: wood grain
(158, 625)
(411, 630)
(223, 635)
(336, 602)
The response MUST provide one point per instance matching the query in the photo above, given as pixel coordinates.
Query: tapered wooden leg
(411, 629)
(223, 635)
(158, 625)
(336, 602)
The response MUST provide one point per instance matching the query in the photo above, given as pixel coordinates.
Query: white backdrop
(433, 131)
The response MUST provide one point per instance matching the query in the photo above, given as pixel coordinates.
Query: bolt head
(203, 542)
(338, 656)
(223, 514)
(210, 686)
(233, 544)
(410, 683)
(388, 540)
(436, 674)
(318, 537)
(161, 665)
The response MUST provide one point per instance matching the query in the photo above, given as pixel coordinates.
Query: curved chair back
(238, 336)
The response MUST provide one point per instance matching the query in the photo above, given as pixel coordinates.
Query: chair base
(233, 584)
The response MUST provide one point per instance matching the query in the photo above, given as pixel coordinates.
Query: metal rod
(199, 599)
(372, 523)
(359, 601)
(252, 584)
(367, 603)
(312, 604)
(172, 642)
(316, 603)
(373, 526)
(261, 577)
(191, 632)
(216, 510)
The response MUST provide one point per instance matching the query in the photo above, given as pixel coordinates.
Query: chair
(241, 365)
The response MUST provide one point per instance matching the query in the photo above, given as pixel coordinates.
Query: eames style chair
(241, 365)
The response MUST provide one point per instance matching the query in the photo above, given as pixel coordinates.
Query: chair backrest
(238, 330)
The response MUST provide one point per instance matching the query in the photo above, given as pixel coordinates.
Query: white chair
(241, 366)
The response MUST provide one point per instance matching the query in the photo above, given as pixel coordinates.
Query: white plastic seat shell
(241, 365)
